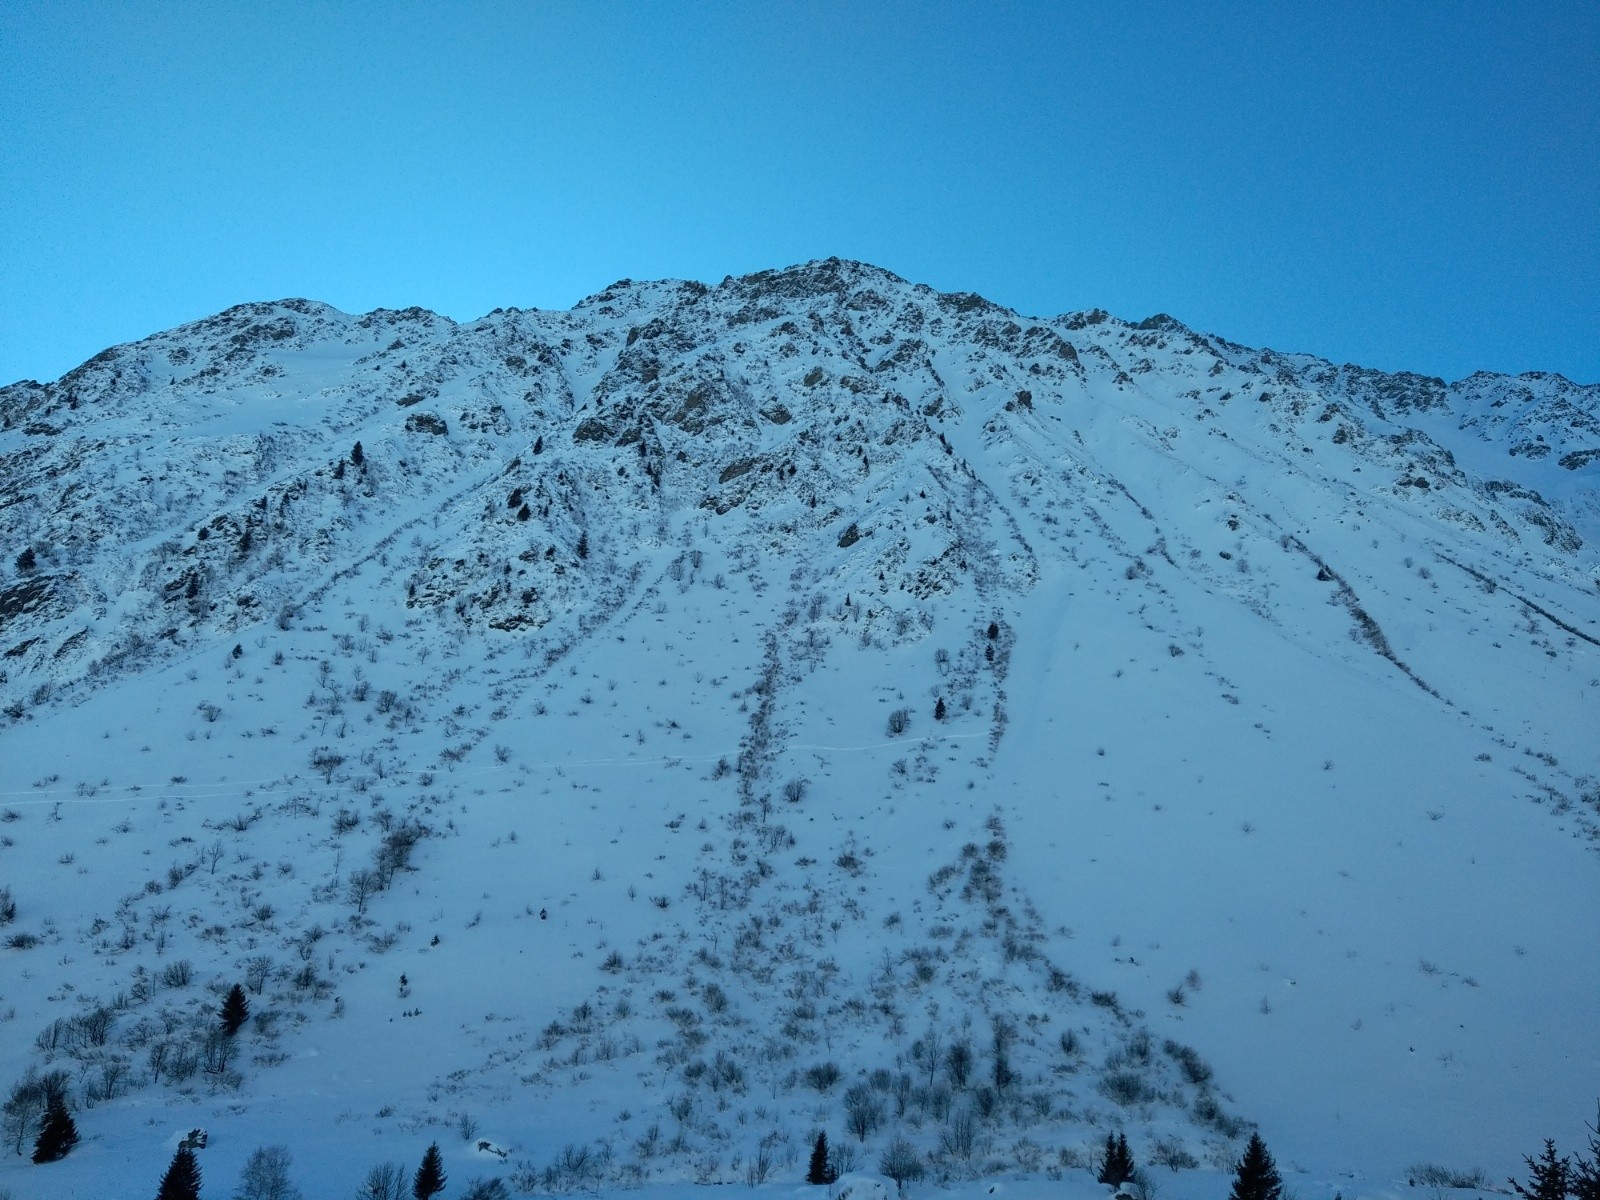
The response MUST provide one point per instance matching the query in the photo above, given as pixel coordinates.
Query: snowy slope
(719, 703)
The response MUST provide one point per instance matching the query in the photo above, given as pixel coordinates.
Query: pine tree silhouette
(1585, 1178)
(430, 1175)
(1549, 1177)
(1116, 1167)
(58, 1134)
(820, 1171)
(1256, 1176)
(182, 1180)
(235, 1010)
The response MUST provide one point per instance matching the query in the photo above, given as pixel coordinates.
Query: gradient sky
(1406, 185)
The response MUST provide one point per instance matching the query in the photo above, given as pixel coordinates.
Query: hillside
(642, 736)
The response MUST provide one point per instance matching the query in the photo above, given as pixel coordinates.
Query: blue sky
(1407, 186)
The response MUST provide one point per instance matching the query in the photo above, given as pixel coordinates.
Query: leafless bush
(1169, 1152)
(1208, 1112)
(325, 762)
(901, 1162)
(361, 885)
(863, 1112)
(217, 1052)
(1126, 1088)
(1436, 1176)
(959, 1138)
(760, 1165)
(256, 970)
(1195, 1069)
(266, 1176)
(386, 1181)
(822, 1076)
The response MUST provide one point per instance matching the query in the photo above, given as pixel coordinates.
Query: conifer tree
(820, 1171)
(1585, 1178)
(1549, 1176)
(182, 1180)
(1116, 1166)
(1256, 1176)
(58, 1134)
(235, 1010)
(430, 1175)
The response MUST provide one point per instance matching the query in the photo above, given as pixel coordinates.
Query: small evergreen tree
(235, 1010)
(357, 455)
(939, 709)
(57, 1132)
(1256, 1176)
(182, 1180)
(1585, 1178)
(430, 1175)
(583, 544)
(1116, 1165)
(820, 1170)
(1549, 1177)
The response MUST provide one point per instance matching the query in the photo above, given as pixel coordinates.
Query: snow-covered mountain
(640, 737)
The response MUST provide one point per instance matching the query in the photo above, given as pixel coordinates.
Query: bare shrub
(1434, 1175)
(266, 1176)
(386, 1181)
(1126, 1088)
(1195, 1069)
(863, 1112)
(901, 1162)
(1169, 1152)
(959, 1138)
(822, 1076)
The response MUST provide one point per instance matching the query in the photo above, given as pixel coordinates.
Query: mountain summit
(649, 735)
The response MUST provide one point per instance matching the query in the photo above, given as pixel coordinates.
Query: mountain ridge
(1113, 625)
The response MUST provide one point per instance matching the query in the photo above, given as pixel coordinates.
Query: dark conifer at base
(182, 1180)
(58, 1133)
(1256, 1176)
(820, 1171)
(1117, 1166)
(1549, 1177)
(235, 1010)
(430, 1175)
